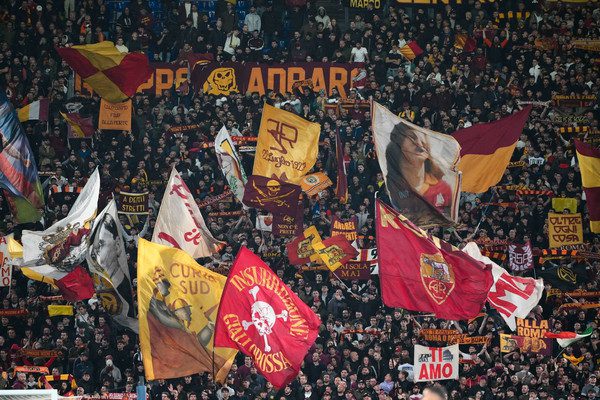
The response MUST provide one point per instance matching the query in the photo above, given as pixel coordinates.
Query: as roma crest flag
(264, 319)
(422, 273)
(287, 145)
(301, 249)
(115, 76)
(178, 301)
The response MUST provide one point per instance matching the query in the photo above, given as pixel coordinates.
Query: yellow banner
(287, 145)
(178, 301)
(561, 203)
(54, 310)
(115, 116)
(564, 229)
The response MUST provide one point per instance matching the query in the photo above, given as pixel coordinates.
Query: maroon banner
(520, 257)
(348, 229)
(231, 77)
(360, 271)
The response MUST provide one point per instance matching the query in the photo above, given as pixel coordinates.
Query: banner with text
(436, 363)
(564, 229)
(348, 228)
(116, 116)
(133, 203)
(222, 79)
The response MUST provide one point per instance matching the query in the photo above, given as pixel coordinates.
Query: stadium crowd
(364, 349)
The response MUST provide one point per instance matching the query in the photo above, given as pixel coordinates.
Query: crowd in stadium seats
(445, 89)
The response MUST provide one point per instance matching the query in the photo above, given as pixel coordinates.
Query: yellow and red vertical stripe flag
(411, 51)
(486, 150)
(115, 76)
(589, 166)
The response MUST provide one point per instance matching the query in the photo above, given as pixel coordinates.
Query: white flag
(107, 262)
(56, 251)
(512, 296)
(230, 163)
(435, 363)
(179, 223)
(264, 222)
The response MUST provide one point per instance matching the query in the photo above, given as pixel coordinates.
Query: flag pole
(343, 283)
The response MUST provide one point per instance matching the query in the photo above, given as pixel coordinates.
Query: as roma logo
(437, 277)
(221, 81)
(567, 274)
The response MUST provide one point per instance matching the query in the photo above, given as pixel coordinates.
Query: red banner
(263, 318)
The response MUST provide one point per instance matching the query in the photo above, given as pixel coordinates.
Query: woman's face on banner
(415, 148)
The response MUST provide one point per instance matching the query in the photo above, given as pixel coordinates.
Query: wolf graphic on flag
(437, 276)
(177, 313)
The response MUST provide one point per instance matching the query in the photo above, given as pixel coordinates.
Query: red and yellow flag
(79, 127)
(115, 76)
(589, 165)
(486, 150)
(411, 51)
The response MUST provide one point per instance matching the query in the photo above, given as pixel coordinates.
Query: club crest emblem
(437, 277)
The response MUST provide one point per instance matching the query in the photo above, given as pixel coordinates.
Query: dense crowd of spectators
(444, 89)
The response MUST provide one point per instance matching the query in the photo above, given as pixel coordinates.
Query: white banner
(512, 296)
(230, 163)
(57, 250)
(435, 363)
(419, 167)
(179, 223)
(264, 223)
(5, 266)
(107, 261)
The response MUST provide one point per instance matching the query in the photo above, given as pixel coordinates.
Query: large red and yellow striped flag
(589, 166)
(115, 76)
(486, 150)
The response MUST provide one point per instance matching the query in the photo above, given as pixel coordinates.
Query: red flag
(263, 318)
(76, 285)
(422, 273)
(300, 250)
(335, 251)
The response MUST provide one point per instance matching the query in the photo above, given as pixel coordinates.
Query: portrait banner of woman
(419, 167)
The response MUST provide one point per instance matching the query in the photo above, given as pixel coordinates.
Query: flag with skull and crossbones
(263, 317)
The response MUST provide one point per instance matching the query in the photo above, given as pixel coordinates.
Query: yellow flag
(560, 203)
(178, 300)
(564, 229)
(287, 145)
(54, 310)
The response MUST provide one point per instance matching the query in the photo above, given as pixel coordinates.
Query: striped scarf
(573, 129)
(529, 192)
(65, 189)
(494, 254)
